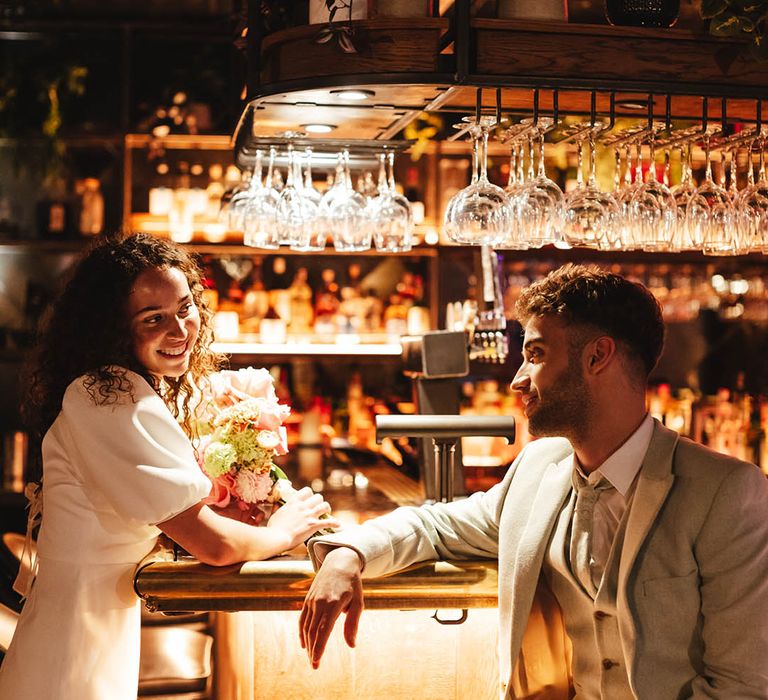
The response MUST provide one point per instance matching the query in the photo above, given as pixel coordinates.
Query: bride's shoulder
(109, 385)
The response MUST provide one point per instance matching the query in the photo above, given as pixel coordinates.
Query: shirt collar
(622, 466)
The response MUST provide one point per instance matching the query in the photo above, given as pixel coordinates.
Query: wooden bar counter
(427, 632)
(281, 584)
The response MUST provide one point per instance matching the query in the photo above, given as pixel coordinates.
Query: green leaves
(712, 8)
(342, 35)
(740, 19)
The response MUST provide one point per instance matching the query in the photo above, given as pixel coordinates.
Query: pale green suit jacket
(692, 595)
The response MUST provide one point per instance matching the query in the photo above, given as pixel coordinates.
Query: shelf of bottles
(289, 306)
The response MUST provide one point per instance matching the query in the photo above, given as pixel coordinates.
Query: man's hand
(337, 588)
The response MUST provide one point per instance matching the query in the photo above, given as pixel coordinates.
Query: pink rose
(254, 383)
(222, 489)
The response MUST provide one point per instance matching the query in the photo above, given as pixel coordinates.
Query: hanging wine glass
(390, 212)
(296, 213)
(762, 187)
(653, 209)
(752, 204)
(625, 230)
(682, 192)
(314, 234)
(344, 211)
(741, 215)
(235, 208)
(260, 213)
(336, 190)
(591, 215)
(710, 214)
(448, 215)
(514, 189)
(480, 214)
(542, 206)
(401, 201)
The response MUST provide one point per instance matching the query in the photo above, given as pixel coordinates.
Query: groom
(650, 550)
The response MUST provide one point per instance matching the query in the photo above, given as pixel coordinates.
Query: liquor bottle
(300, 293)
(327, 303)
(53, 212)
(413, 195)
(91, 207)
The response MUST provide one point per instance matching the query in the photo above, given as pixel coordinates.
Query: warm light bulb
(353, 94)
(318, 128)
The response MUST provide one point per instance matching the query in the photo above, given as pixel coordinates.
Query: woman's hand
(337, 588)
(302, 516)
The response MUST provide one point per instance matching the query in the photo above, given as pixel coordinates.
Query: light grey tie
(581, 530)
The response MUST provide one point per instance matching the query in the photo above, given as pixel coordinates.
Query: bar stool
(175, 663)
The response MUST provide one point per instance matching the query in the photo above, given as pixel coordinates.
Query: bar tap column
(445, 431)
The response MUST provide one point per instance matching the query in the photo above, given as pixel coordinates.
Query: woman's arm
(218, 540)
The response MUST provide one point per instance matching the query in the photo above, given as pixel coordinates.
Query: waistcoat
(599, 668)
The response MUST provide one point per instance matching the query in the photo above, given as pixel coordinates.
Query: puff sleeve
(133, 454)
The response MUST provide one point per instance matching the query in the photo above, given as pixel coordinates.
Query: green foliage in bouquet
(740, 19)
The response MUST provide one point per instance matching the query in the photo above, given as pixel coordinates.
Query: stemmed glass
(653, 209)
(682, 192)
(480, 213)
(626, 236)
(542, 204)
(514, 189)
(762, 186)
(344, 212)
(710, 213)
(389, 212)
(235, 208)
(313, 235)
(591, 215)
(296, 213)
(260, 213)
(753, 204)
(742, 215)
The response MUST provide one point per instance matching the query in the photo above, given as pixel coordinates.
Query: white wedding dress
(110, 473)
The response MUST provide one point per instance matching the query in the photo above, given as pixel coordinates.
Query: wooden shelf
(341, 348)
(206, 142)
(403, 65)
(75, 245)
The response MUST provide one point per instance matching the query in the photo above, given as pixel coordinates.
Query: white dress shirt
(620, 469)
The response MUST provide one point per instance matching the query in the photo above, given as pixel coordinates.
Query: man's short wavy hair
(606, 302)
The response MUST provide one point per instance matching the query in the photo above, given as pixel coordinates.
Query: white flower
(284, 491)
(256, 383)
(268, 439)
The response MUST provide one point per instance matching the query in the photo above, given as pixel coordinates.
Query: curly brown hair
(601, 300)
(87, 332)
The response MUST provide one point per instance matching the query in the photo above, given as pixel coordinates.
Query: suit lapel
(653, 484)
(517, 586)
(554, 487)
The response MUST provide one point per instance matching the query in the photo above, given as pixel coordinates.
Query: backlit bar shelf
(340, 348)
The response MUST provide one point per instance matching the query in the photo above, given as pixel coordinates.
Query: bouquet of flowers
(239, 420)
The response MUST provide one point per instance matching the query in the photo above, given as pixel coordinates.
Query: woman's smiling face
(164, 321)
